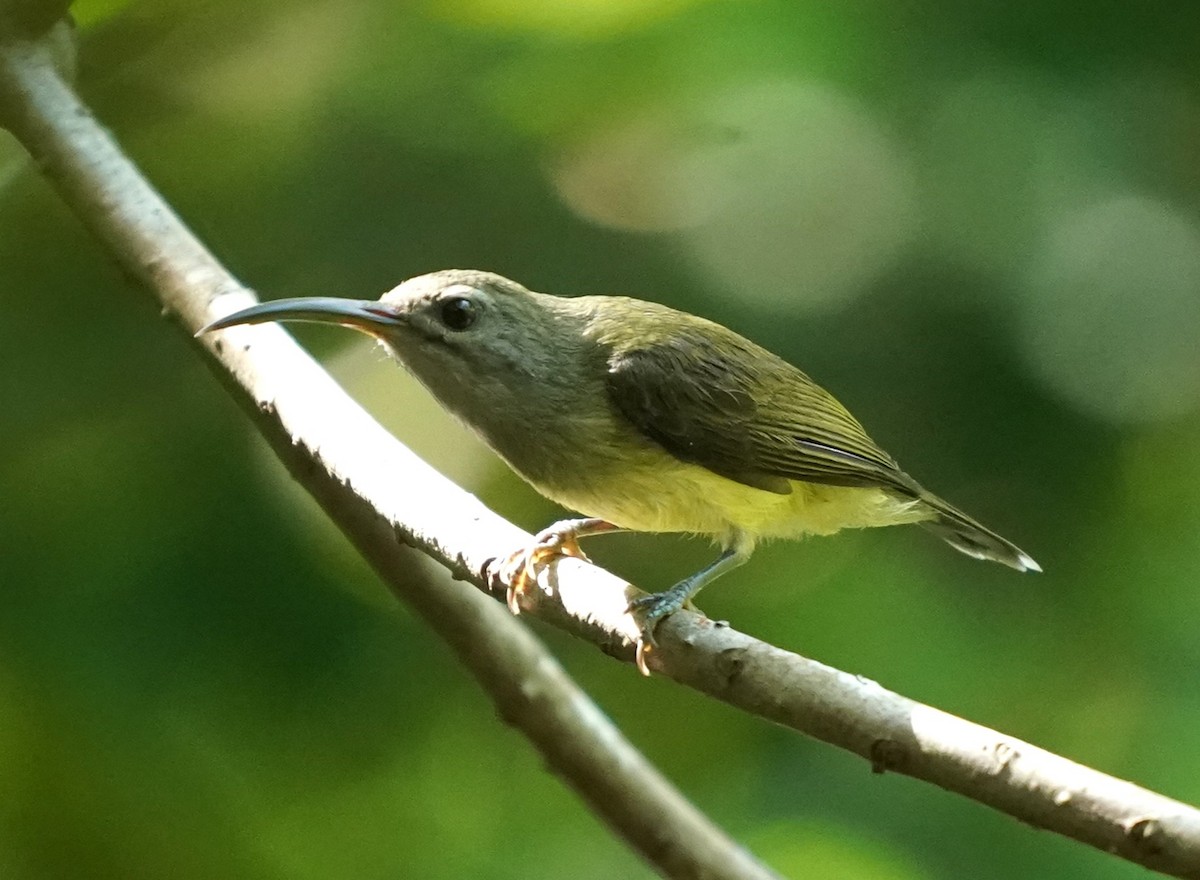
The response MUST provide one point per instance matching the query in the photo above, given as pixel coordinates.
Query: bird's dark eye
(458, 313)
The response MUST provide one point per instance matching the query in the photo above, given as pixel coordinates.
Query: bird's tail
(965, 534)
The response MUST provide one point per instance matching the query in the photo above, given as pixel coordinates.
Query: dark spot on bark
(887, 754)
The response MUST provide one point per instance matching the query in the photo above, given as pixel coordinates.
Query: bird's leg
(653, 608)
(557, 540)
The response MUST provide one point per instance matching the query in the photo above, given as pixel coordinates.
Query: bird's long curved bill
(367, 315)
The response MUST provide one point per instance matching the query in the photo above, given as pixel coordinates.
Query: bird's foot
(522, 567)
(650, 611)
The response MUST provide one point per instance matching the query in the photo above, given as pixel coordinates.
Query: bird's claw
(522, 567)
(649, 611)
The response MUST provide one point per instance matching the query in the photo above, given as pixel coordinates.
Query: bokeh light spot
(1113, 310)
(784, 190)
(808, 198)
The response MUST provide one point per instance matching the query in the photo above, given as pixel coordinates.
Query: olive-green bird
(642, 418)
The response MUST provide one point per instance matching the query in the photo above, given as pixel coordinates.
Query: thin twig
(335, 451)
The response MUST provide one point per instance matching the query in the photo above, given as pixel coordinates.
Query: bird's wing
(722, 402)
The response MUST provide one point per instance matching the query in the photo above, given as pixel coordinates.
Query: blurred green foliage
(980, 226)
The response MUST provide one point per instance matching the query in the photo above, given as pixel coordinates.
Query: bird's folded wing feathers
(754, 419)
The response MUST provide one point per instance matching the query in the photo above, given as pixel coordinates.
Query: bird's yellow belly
(664, 494)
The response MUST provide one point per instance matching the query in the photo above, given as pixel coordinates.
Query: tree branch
(333, 448)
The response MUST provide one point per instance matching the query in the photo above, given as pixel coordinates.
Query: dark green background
(980, 228)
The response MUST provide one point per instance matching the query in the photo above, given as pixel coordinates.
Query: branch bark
(333, 449)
